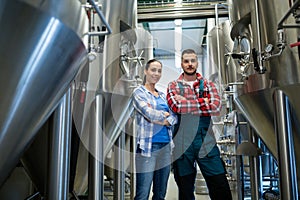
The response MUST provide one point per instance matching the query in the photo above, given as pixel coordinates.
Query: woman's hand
(163, 123)
(167, 114)
(166, 123)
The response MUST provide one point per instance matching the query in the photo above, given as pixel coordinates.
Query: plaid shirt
(194, 102)
(146, 114)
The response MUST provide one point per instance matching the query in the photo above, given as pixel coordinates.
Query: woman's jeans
(155, 168)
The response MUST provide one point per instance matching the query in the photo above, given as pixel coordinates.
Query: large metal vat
(228, 71)
(271, 69)
(280, 71)
(112, 76)
(41, 52)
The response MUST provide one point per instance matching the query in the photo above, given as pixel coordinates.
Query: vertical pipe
(132, 159)
(58, 185)
(260, 171)
(218, 43)
(96, 166)
(115, 131)
(254, 169)
(285, 147)
(258, 36)
(239, 158)
(119, 179)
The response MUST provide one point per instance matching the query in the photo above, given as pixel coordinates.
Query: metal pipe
(291, 10)
(259, 173)
(254, 170)
(286, 155)
(96, 158)
(239, 161)
(33, 196)
(294, 44)
(218, 42)
(75, 195)
(58, 185)
(132, 158)
(261, 68)
(99, 12)
(117, 130)
(119, 171)
(291, 26)
(273, 55)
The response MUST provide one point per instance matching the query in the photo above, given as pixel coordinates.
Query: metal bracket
(99, 12)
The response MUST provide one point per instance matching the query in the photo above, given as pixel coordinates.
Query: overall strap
(201, 88)
(201, 84)
(181, 88)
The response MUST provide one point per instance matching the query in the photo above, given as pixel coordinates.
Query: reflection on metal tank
(41, 52)
(111, 80)
(229, 67)
(123, 22)
(239, 9)
(121, 65)
(284, 69)
(112, 76)
(258, 23)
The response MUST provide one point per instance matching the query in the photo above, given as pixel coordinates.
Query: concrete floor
(172, 193)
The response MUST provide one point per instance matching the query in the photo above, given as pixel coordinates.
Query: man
(195, 100)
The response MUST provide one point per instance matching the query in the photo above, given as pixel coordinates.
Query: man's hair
(188, 51)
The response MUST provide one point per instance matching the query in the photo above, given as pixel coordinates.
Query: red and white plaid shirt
(194, 103)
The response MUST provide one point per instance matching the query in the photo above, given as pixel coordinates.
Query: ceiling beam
(163, 13)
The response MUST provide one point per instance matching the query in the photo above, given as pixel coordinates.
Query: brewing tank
(220, 45)
(41, 52)
(258, 24)
(116, 71)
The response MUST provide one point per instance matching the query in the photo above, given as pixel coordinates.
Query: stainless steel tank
(274, 66)
(122, 17)
(120, 65)
(41, 52)
(113, 75)
(259, 23)
(218, 50)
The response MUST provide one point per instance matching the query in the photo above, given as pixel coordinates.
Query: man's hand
(178, 97)
(206, 100)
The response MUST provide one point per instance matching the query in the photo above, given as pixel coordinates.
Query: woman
(154, 135)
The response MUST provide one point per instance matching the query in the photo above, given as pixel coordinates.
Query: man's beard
(190, 73)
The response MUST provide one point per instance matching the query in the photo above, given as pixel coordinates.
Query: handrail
(280, 24)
